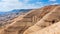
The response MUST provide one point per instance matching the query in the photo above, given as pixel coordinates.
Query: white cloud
(6, 5)
(25, 1)
(10, 0)
(34, 6)
(38, 2)
(54, 3)
(52, 0)
(31, 6)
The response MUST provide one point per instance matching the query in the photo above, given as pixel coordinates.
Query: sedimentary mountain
(49, 19)
(32, 21)
(53, 29)
(6, 17)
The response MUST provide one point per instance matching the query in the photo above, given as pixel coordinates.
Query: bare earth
(44, 20)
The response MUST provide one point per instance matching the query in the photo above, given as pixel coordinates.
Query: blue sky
(7, 5)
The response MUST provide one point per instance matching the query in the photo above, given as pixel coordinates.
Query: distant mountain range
(16, 11)
(6, 16)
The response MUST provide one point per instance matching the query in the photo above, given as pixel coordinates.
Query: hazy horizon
(8, 5)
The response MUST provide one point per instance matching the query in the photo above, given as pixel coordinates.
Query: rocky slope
(33, 21)
(53, 29)
(49, 19)
(6, 17)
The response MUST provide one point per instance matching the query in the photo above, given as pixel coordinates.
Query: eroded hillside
(7, 17)
(33, 21)
(49, 19)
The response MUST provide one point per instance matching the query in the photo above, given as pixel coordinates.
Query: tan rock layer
(53, 29)
(19, 25)
(47, 20)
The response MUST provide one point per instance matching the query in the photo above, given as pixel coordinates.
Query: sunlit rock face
(49, 19)
(32, 21)
(6, 17)
(53, 29)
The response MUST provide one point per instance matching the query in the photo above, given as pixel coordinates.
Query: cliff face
(33, 21)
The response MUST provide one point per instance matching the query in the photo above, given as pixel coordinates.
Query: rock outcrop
(49, 19)
(33, 21)
(53, 29)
